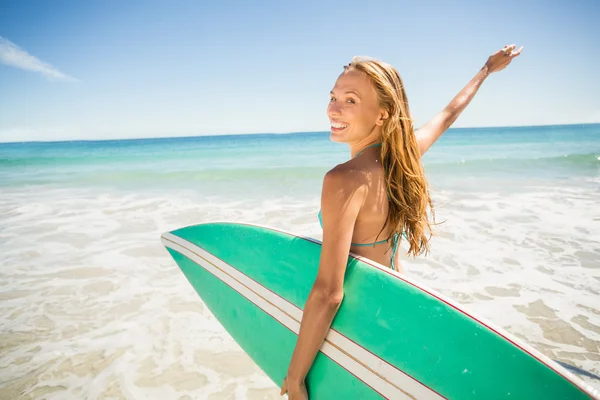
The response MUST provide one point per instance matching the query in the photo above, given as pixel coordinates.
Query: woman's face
(353, 109)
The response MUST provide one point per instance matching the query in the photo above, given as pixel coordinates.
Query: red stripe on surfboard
(366, 261)
(389, 272)
(281, 323)
(341, 334)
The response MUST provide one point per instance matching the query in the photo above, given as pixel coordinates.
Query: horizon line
(263, 133)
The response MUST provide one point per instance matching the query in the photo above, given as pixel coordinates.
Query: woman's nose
(334, 109)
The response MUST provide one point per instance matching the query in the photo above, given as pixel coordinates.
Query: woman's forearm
(319, 312)
(432, 130)
(464, 97)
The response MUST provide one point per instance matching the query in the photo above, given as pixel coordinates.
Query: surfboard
(391, 338)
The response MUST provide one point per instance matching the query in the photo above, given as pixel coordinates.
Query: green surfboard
(391, 338)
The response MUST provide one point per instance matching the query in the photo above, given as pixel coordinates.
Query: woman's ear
(383, 115)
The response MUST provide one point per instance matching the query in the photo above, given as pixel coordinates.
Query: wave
(568, 160)
(175, 172)
(57, 161)
(233, 176)
(139, 159)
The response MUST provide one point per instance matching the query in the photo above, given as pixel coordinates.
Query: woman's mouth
(338, 126)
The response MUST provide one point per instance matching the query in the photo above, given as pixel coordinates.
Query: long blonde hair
(400, 156)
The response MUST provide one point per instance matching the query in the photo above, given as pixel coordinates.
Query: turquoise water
(293, 164)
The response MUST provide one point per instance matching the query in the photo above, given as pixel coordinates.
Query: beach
(92, 305)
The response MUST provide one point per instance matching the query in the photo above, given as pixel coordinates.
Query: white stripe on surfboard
(372, 370)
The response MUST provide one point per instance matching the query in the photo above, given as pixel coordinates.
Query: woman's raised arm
(432, 130)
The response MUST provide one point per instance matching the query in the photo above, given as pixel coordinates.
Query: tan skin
(354, 201)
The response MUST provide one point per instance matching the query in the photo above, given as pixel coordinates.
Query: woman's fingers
(516, 53)
(509, 50)
(283, 387)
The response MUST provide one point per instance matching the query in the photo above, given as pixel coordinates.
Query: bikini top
(394, 238)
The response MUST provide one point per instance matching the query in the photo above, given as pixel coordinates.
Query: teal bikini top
(394, 238)
(353, 244)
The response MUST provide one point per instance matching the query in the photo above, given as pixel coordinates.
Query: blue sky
(114, 69)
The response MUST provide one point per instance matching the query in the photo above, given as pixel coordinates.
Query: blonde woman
(378, 196)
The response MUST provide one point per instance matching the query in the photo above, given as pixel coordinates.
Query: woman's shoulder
(343, 172)
(342, 192)
(343, 179)
(352, 172)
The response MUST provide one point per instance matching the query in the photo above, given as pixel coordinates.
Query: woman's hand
(500, 59)
(295, 391)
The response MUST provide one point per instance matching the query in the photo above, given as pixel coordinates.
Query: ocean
(92, 306)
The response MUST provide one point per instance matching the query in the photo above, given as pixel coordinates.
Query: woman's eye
(351, 101)
(331, 99)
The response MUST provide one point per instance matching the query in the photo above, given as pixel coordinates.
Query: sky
(129, 69)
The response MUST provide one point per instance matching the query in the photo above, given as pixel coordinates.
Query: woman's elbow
(329, 297)
(335, 298)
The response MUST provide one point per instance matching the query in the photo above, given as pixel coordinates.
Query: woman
(379, 194)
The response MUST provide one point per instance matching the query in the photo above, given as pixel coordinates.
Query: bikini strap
(368, 147)
(394, 249)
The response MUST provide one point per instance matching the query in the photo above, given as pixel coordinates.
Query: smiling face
(354, 111)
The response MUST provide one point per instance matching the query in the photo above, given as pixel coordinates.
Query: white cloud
(13, 55)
